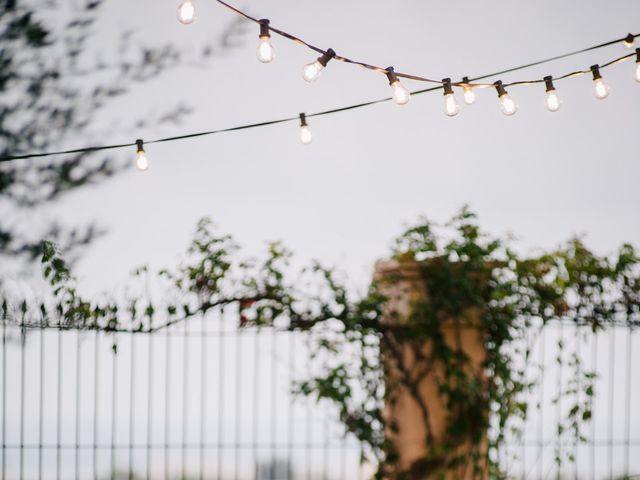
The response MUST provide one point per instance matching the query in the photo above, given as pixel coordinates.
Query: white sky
(342, 199)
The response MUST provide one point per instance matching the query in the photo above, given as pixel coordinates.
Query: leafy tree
(54, 83)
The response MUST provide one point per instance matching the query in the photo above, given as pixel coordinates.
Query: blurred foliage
(355, 345)
(55, 80)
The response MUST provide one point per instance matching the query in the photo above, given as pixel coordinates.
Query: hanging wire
(472, 82)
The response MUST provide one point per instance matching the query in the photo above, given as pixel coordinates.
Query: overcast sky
(539, 175)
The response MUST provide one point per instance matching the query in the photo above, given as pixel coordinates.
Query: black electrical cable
(349, 107)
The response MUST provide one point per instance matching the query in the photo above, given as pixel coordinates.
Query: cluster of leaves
(469, 278)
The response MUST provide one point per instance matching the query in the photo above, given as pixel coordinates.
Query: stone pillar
(403, 283)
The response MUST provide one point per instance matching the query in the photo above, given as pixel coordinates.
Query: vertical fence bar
(185, 358)
(290, 364)
(149, 402)
(627, 406)
(167, 392)
(4, 397)
(594, 359)
(23, 347)
(256, 375)
(238, 379)
(272, 423)
(541, 400)
(77, 416)
(96, 372)
(41, 401)
(612, 357)
(59, 402)
(132, 384)
(203, 393)
(114, 400)
(221, 382)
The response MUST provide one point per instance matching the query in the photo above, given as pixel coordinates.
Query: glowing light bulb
(141, 158)
(400, 94)
(553, 102)
(305, 132)
(600, 89)
(305, 135)
(507, 105)
(629, 41)
(311, 71)
(186, 12)
(637, 72)
(265, 51)
(451, 107)
(469, 94)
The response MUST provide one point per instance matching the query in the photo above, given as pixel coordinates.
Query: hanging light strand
(470, 83)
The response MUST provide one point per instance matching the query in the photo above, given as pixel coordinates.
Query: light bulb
(400, 94)
(451, 107)
(311, 71)
(553, 102)
(468, 93)
(305, 135)
(186, 12)
(141, 159)
(265, 51)
(600, 89)
(637, 72)
(507, 105)
(629, 41)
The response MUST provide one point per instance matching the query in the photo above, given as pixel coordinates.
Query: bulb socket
(264, 28)
(326, 56)
(139, 146)
(500, 88)
(446, 85)
(595, 69)
(391, 75)
(629, 39)
(548, 81)
(467, 81)
(303, 120)
(637, 55)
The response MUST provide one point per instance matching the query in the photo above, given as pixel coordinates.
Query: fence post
(402, 282)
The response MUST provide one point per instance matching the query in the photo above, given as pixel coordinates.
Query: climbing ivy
(360, 342)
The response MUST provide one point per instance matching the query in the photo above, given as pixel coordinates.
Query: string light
(553, 102)
(451, 107)
(629, 41)
(400, 94)
(637, 64)
(305, 133)
(311, 71)
(141, 158)
(469, 95)
(507, 105)
(600, 89)
(186, 12)
(265, 51)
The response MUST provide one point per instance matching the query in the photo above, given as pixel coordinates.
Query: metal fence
(203, 399)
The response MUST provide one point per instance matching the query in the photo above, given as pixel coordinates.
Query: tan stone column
(416, 417)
